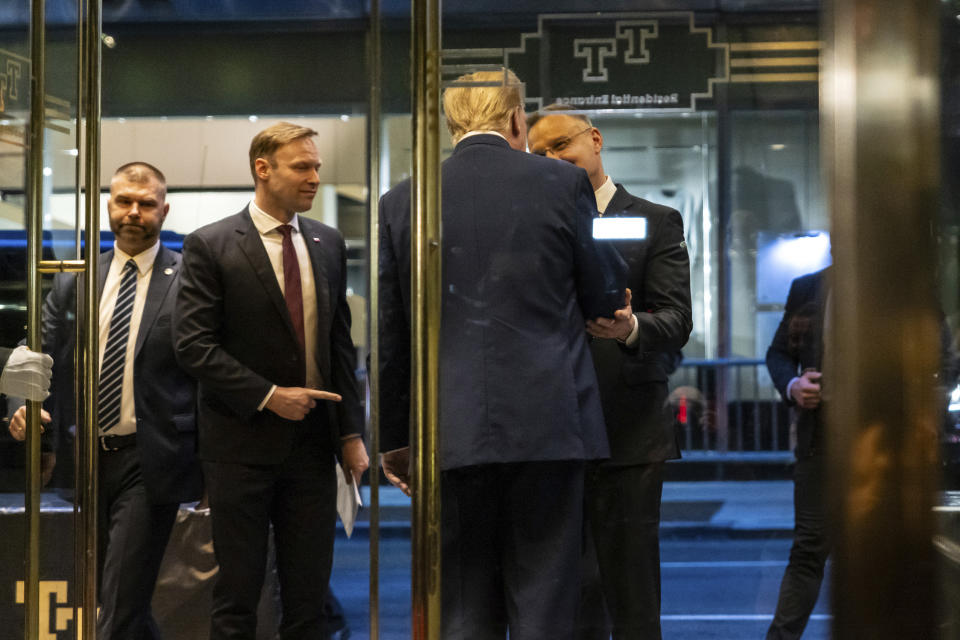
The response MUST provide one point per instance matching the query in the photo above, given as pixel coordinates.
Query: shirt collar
(144, 259)
(479, 133)
(265, 223)
(605, 194)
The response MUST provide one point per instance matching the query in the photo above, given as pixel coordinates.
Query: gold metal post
(880, 129)
(79, 571)
(31, 601)
(425, 317)
(88, 434)
(374, 73)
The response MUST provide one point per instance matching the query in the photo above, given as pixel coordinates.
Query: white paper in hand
(26, 375)
(348, 501)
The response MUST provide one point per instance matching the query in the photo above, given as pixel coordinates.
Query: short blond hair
(266, 143)
(482, 108)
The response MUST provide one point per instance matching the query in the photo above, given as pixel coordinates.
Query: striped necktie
(115, 353)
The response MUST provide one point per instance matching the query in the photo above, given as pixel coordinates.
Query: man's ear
(597, 138)
(262, 168)
(518, 120)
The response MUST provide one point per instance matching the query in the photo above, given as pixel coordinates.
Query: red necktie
(292, 288)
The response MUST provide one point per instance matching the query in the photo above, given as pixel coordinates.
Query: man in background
(634, 353)
(794, 360)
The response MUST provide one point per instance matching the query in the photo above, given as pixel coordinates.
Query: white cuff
(634, 333)
(789, 397)
(267, 399)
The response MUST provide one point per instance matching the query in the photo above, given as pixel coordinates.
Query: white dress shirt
(477, 132)
(604, 195)
(272, 239)
(108, 299)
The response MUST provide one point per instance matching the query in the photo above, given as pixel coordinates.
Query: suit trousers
(621, 560)
(511, 548)
(296, 496)
(133, 537)
(808, 555)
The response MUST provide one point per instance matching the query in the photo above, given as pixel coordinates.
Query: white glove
(27, 375)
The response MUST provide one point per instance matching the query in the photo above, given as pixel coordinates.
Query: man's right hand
(294, 403)
(619, 327)
(18, 423)
(805, 391)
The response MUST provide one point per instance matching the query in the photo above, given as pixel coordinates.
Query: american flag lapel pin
(315, 239)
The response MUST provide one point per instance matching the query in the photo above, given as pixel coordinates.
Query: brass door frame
(425, 317)
(880, 142)
(374, 129)
(88, 439)
(34, 214)
(89, 30)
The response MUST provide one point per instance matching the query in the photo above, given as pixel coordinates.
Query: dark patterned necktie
(115, 353)
(292, 288)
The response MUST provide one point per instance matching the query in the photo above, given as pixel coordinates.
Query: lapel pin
(315, 239)
(168, 271)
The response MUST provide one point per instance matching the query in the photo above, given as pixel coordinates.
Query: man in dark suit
(794, 361)
(28, 375)
(519, 406)
(633, 354)
(146, 413)
(263, 323)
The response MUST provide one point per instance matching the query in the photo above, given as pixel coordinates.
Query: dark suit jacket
(233, 332)
(798, 345)
(164, 395)
(633, 381)
(520, 273)
(4, 354)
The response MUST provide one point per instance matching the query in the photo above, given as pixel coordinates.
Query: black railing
(729, 405)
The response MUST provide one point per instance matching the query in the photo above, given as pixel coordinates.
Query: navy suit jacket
(164, 395)
(633, 380)
(233, 332)
(798, 345)
(521, 271)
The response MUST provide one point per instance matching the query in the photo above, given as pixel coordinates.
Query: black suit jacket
(798, 345)
(633, 381)
(164, 395)
(4, 354)
(233, 332)
(520, 273)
